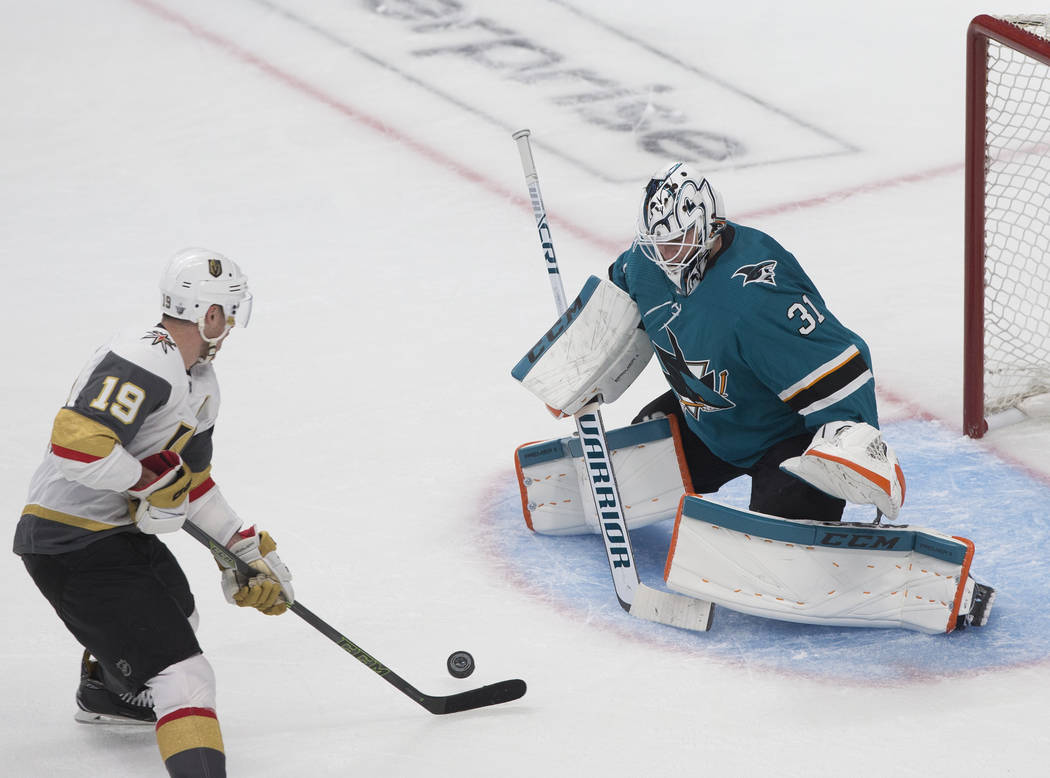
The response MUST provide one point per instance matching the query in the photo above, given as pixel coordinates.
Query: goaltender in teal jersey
(753, 353)
(759, 368)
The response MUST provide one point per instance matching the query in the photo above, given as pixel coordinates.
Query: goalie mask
(197, 278)
(681, 216)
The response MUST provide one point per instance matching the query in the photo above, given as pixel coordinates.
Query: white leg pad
(838, 574)
(648, 464)
(186, 684)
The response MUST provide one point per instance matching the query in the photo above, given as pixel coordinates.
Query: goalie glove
(271, 590)
(850, 460)
(162, 503)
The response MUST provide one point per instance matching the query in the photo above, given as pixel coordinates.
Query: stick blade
(675, 610)
(493, 694)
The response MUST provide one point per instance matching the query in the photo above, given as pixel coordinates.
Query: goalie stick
(493, 694)
(635, 597)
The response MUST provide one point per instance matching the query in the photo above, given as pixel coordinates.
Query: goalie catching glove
(163, 501)
(849, 460)
(271, 590)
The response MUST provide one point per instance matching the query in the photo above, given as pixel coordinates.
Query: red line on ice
(465, 172)
(378, 125)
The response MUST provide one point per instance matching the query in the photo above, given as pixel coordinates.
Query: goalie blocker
(831, 573)
(595, 349)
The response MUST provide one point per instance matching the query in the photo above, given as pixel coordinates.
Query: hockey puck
(460, 664)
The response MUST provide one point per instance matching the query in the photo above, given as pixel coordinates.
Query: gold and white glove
(161, 503)
(271, 590)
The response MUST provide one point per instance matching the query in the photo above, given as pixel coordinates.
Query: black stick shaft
(494, 694)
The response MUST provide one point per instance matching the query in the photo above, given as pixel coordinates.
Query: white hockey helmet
(681, 216)
(197, 278)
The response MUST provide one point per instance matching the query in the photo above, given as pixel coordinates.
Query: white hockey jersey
(133, 398)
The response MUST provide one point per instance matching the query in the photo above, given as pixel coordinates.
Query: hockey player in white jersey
(130, 459)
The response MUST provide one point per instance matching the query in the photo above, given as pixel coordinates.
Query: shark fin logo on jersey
(759, 273)
(160, 338)
(699, 389)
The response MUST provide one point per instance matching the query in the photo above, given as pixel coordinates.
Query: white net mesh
(1017, 223)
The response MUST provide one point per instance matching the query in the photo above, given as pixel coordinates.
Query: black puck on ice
(460, 664)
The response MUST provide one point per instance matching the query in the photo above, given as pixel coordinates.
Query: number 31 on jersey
(807, 313)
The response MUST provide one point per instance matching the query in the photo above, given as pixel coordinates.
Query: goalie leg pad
(830, 573)
(648, 462)
(594, 349)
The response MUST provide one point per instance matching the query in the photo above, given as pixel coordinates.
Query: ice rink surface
(355, 157)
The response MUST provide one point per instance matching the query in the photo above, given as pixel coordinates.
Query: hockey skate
(97, 704)
(981, 598)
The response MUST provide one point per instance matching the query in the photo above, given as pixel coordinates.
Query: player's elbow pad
(595, 349)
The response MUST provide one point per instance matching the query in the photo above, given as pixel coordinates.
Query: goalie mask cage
(1007, 240)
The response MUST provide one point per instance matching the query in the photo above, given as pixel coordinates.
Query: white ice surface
(356, 157)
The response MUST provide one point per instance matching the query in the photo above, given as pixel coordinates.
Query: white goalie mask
(197, 278)
(681, 216)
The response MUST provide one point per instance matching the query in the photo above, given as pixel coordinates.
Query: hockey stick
(493, 694)
(635, 597)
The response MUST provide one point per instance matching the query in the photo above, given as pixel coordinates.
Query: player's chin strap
(213, 343)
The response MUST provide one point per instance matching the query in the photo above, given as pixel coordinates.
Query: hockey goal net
(1007, 243)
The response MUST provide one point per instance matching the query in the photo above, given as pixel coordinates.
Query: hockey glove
(849, 460)
(162, 503)
(271, 590)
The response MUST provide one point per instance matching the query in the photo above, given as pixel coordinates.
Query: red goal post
(1006, 337)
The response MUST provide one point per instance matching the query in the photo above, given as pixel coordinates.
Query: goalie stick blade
(675, 610)
(493, 694)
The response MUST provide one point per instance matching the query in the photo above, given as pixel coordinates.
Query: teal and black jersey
(753, 354)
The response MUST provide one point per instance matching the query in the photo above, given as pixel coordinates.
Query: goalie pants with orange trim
(124, 598)
(772, 490)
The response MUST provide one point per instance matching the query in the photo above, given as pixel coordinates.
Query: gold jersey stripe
(66, 518)
(76, 432)
(175, 735)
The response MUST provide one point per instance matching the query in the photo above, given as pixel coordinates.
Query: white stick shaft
(634, 596)
(588, 419)
(532, 180)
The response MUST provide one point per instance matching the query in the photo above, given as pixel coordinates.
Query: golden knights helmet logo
(215, 267)
(699, 390)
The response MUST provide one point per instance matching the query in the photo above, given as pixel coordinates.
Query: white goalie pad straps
(850, 460)
(839, 574)
(648, 462)
(595, 348)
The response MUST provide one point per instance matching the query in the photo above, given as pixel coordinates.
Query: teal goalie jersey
(753, 354)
